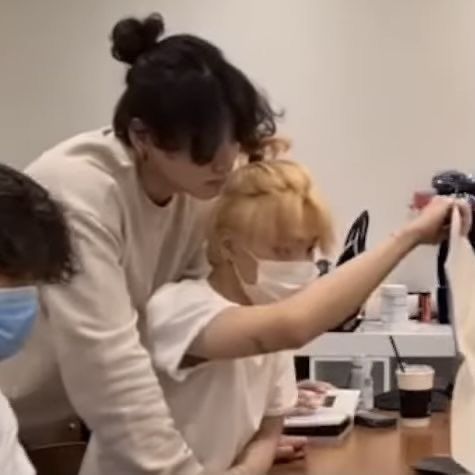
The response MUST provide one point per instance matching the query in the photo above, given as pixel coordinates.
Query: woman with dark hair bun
(183, 94)
(135, 195)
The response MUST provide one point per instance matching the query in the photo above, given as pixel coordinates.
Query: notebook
(334, 419)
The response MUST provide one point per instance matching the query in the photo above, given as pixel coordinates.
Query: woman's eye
(281, 252)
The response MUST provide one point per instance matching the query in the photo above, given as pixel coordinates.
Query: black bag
(355, 243)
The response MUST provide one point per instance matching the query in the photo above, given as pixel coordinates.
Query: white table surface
(413, 339)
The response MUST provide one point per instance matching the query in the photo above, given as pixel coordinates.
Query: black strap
(355, 243)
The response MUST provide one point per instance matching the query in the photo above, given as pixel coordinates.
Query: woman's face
(200, 181)
(164, 173)
(245, 253)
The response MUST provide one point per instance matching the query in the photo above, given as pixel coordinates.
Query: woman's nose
(220, 168)
(224, 160)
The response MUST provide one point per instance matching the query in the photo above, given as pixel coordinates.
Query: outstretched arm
(291, 323)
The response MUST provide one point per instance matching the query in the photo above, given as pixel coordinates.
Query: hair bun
(131, 37)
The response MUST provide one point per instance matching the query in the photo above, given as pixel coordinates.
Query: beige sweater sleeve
(107, 372)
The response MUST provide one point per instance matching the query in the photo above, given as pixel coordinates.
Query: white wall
(379, 94)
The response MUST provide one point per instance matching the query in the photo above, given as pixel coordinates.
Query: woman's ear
(139, 138)
(226, 248)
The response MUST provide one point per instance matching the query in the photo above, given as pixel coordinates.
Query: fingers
(320, 387)
(432, 225)
(305, 396)
(308, 384)
(291, 448)
(287, 454)
(442, 204)
(309, 399)
(466, 215)
(284, 453)
(295, 441)
(311, 395)
(307, 403)
(324, 387)
(301, 411)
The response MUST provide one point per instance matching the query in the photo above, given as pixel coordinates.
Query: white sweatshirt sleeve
(284, 394)
(106, 370)
(13, 459)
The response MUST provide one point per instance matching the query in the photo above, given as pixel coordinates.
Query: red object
(421, 199)
(425, 307)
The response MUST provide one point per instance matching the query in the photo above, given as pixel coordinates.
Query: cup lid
(394, 289)
(415, 369)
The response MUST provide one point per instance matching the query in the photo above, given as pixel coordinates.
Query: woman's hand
(432, 224)
(290, 448)
(311, 395)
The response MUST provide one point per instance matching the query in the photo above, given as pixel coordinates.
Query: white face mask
(278, 279)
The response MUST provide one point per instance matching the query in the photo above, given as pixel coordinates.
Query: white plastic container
(361, 379)
(394, 304)
(367, 395)
(357, 374)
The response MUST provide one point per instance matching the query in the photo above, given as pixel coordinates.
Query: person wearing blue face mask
(18, 309)
(35, 248)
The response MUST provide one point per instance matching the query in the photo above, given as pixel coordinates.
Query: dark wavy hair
(186, 93)
(35, 243)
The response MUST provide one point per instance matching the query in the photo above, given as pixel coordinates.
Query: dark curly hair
(35, 244)
(186, 93)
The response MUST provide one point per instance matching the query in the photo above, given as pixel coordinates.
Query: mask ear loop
(236, 269)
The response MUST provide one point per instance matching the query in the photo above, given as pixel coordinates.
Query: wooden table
(375, 451)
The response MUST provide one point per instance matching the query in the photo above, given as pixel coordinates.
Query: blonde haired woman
(238, 403)
(266, 227)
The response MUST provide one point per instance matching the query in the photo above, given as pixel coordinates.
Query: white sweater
(13, 460)
(219, 405)
(128, 247)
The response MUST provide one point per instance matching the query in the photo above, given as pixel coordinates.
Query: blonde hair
(271, 200)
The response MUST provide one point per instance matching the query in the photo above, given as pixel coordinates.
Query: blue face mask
(18, 310)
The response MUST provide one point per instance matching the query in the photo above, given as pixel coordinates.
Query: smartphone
(374, 419)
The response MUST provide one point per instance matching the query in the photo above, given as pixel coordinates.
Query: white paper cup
(415, 386)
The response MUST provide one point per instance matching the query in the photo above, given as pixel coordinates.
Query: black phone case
(375, 423)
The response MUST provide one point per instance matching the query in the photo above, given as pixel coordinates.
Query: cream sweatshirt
(13, 460)
(92, 328)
